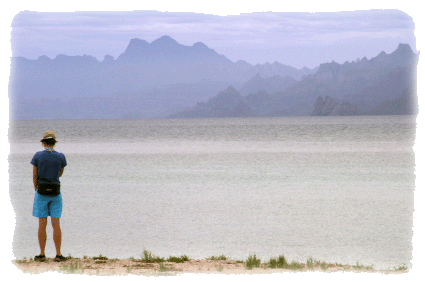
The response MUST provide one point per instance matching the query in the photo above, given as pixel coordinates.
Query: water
(339, 189)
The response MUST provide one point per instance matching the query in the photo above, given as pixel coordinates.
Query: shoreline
(154, 266)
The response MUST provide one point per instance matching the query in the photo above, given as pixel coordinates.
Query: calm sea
(338, 189)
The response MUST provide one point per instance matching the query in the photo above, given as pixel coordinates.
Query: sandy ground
(114, 267)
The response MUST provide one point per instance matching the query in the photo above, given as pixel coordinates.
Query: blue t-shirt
(49, 164)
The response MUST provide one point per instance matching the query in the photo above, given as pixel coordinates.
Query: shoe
(60, 258)
(40, 258)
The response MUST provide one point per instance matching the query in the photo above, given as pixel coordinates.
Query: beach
(112, 267)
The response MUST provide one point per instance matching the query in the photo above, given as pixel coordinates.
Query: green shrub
(279, 262)
(180, 259)
(310, 263)
(146, 256)
(358, 266)
(294, 265)
(369, 267)
(273, 263)
(361, 266)
(252, 262)
(401, 267)
(149, 257)
(221, 257)
(100, 257)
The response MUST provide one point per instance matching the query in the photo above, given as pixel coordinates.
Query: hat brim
(48, 139)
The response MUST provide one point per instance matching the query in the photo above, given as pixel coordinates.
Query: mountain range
(166, 79)
(357, 88)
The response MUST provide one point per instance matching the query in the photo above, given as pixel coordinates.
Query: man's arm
(35, 176)
(61, 172)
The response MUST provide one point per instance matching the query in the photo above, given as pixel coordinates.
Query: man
(48, 167)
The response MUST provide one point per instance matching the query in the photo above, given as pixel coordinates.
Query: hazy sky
(292, 38)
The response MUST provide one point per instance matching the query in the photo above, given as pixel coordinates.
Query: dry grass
(148, 265)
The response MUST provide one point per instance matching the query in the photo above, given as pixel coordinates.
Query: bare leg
(57, 235)
(42, 236)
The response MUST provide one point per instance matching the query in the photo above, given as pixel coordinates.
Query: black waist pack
(48, 189)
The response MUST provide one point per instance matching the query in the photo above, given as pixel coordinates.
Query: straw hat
(49, 135)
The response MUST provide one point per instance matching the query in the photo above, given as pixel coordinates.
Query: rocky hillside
(362, 83)
(271, 84)
(227, 103)
(331, 107)
(404, 104)
(363, 87)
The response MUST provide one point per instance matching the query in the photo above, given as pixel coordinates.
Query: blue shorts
(45, 206)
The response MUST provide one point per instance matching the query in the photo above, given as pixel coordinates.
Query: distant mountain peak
(137, 41)
(231, 89)
(404, 47)
(136, 45)
(44, 58)
(257, 77)
(108, 59)
(381, 55)
(164, 41)
(200, 45)
(403, 51)
(166, 49)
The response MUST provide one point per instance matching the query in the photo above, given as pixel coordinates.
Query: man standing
(48, 167)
